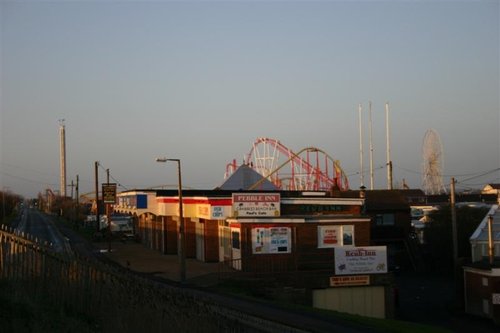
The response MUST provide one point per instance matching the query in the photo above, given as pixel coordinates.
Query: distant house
(482, 276)
(391, 222)
(479, 239)
(493, 189)
(391, 214)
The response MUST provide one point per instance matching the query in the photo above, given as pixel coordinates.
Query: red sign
(356, 280)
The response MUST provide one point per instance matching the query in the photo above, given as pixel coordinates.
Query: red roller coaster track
(310, 169)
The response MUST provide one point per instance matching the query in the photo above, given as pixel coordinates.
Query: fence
(118, 299)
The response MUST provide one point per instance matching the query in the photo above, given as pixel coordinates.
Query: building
(482, 276)
(493, 189)
(306, 240)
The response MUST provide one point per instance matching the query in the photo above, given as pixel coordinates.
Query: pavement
(137, 257)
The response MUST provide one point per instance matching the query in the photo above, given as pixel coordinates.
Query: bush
(438, 234)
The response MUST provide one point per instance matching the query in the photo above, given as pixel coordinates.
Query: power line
(366, 171)
(480, 175)
(475, 174)
(27, 179)
(113, 178)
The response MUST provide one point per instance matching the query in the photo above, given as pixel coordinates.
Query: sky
(202, 80)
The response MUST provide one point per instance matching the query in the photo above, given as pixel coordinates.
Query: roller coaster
(310, 169)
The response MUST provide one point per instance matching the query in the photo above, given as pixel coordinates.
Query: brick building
(292, 236)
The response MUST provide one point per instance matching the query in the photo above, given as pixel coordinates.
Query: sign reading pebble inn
(256, 204)
(360, 260)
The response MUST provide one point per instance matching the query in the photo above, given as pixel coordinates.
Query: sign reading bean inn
(360, 260)
(256, 204)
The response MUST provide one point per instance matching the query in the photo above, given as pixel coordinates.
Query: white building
(479, 239)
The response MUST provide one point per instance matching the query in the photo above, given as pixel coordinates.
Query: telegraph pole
(388, 147)
(454, 223)
(491, 244)
(96, 166)
(77, 211)
(108, 215)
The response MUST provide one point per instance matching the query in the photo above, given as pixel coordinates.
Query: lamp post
(181, 237)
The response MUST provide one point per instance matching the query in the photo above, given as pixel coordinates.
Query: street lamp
(181, 244)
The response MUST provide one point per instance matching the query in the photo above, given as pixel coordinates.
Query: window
(486, 306)
(348, 235)
(235, 237)
(384, 219)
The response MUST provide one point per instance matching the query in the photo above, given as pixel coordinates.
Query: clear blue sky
(201, 80)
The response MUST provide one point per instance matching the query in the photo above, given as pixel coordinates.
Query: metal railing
(119, 300)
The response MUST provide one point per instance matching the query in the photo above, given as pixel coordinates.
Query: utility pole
(108, 215)
(371, 147)
(454, 224)
(72, 212)
(388, 146)
(96, 166)
(491, 248)
(77, 210)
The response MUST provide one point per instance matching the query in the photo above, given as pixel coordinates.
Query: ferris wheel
(432, 167)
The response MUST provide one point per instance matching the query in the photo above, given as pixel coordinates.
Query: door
(236, 248)
(200, 240)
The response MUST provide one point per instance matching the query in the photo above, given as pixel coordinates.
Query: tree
(8, 203)
(438, 235)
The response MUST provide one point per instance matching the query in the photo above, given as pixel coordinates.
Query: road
(41, 226)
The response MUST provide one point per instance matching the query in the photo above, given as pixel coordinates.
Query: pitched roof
(244, 177)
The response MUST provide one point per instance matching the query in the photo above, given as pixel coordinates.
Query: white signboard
(335, 235)
(206, 211)
(329, 236)
(360, 260)
(270, 240)
(256, 204)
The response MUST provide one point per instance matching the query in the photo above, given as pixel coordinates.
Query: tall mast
(361, 171)
(371, 147)
(388, 146)
(62, 158)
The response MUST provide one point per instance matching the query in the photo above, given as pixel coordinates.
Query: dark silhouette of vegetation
(64, 207)
(8, 204)
(438, 235)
